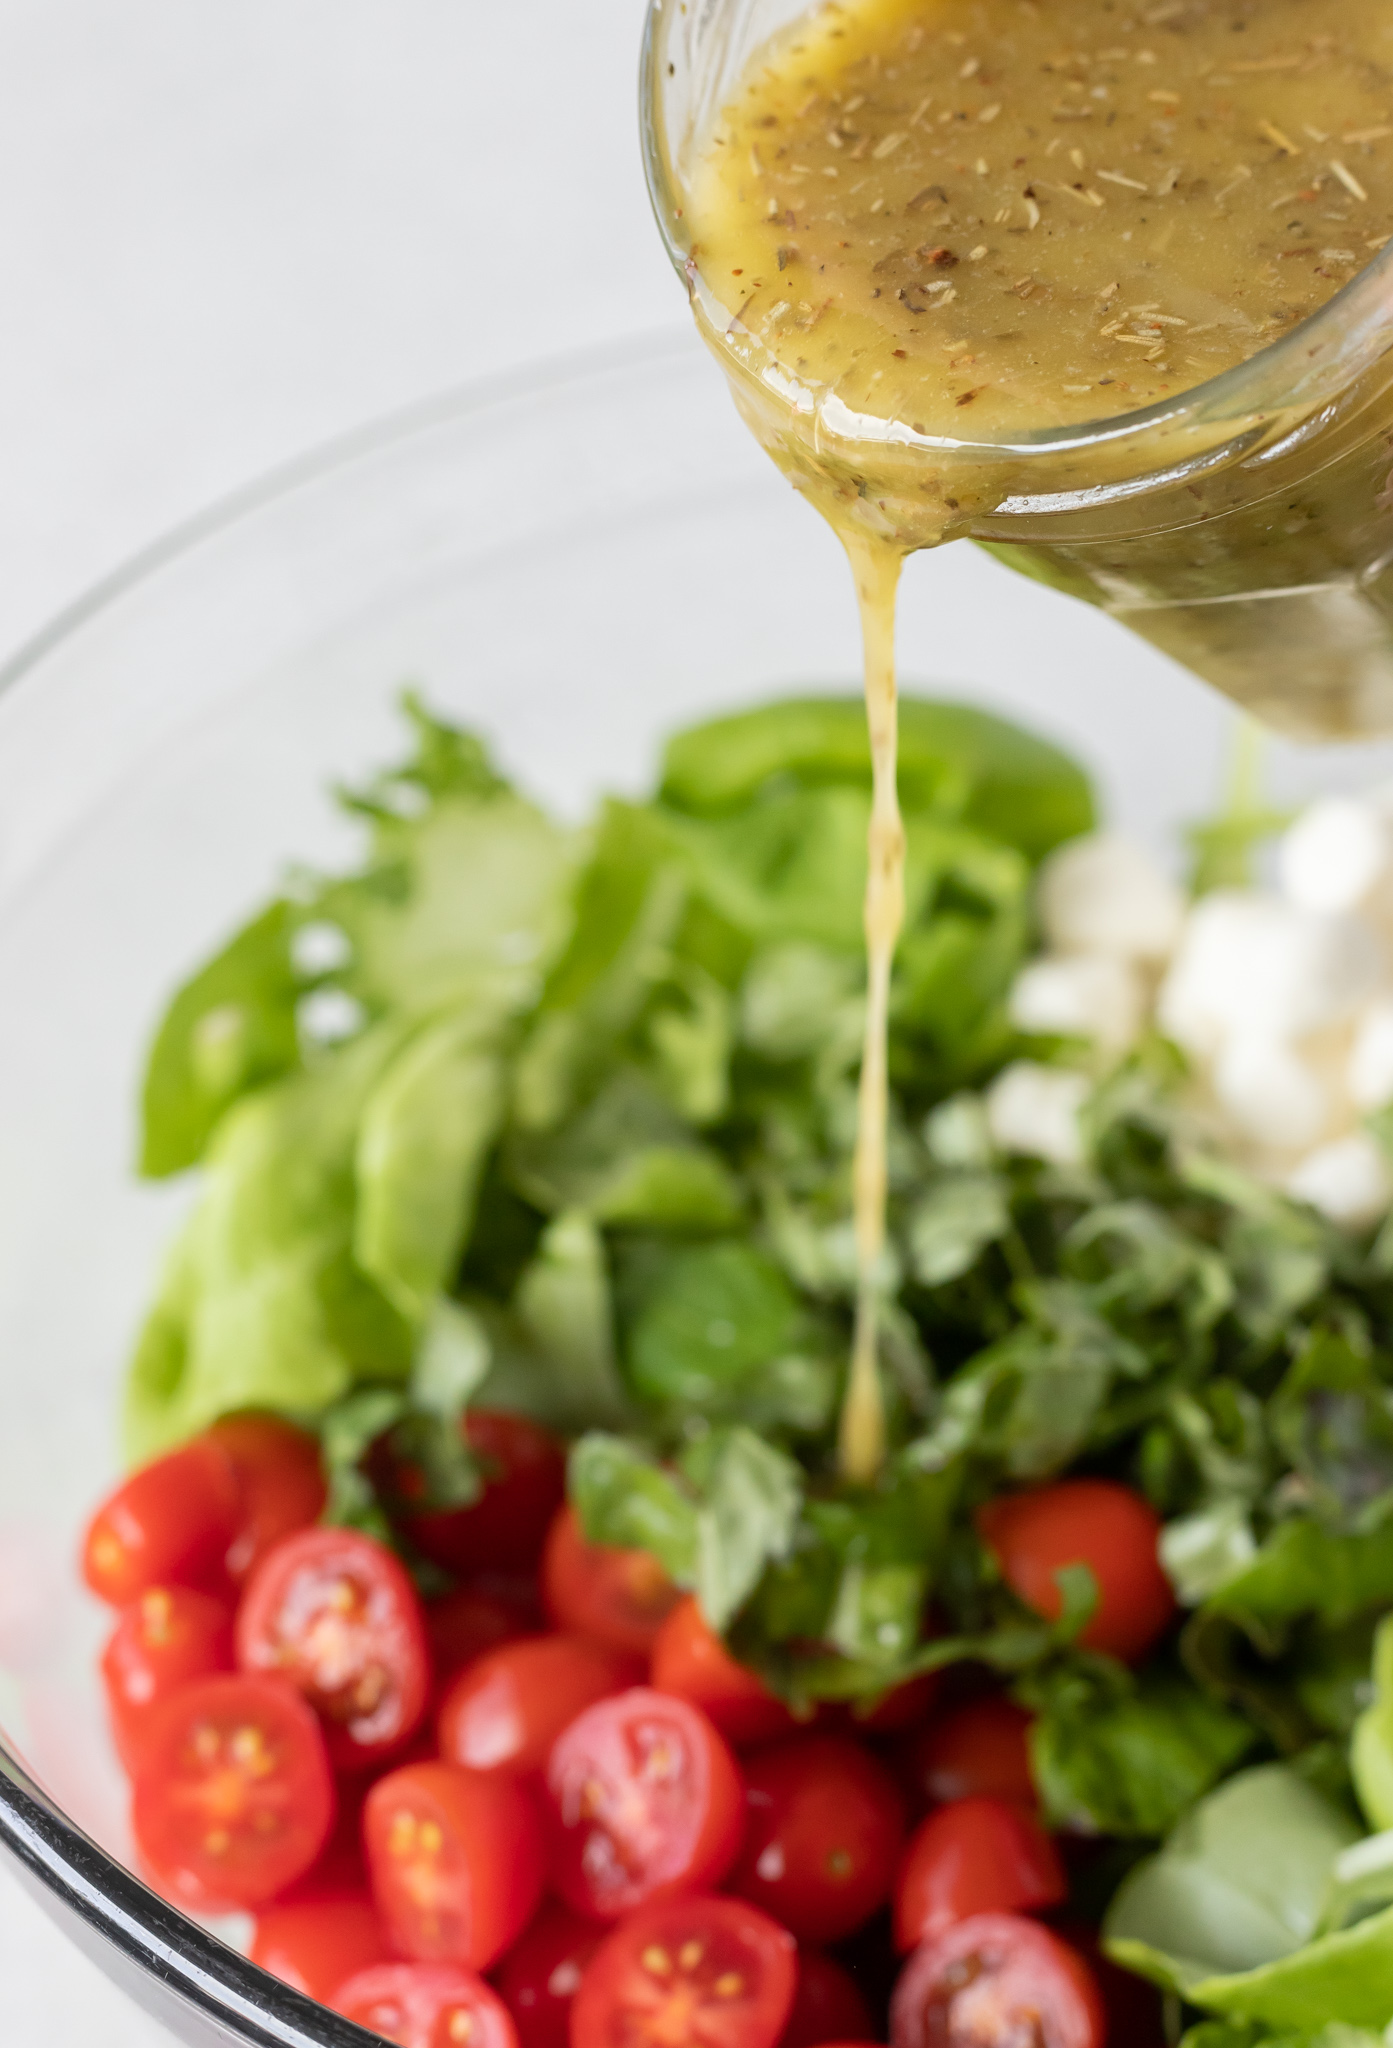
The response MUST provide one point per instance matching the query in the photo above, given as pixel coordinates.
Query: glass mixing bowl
(572, 562)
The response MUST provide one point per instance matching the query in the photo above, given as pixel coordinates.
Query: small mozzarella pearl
(1347, 1180)
(1035, 1110)
(1105, 894)
(1080, 995)
(1271, 1093)
(1370, 1074)
(1335, 854)
(1254, 965)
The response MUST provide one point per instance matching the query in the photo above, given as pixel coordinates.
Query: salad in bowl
(490, 1621)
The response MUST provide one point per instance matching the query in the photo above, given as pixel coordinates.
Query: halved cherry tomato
(336, 1614)
(690, 1659)
(973, 1856)
(456, 1860)
(644, 1799)
(982, 1746)
(170, 1523)
(426, 2005)
(688, 1972)
(280, 1484)
(540, 1975)
(316, 1944)
(507, 1709)
(165, 1639)
(524, 1468)
(234, 1797)
(1092, 1522)
(824, 1824)
(996, 1979)
(462, 1625)
(826, 2005)
(621, 1597)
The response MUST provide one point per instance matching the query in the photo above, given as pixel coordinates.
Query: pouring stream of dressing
(876, 566)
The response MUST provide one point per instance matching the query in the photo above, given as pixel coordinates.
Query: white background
(228, 230)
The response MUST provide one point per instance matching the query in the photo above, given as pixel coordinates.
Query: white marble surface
(228, 232)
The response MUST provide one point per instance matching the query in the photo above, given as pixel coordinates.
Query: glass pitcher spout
(1244, 525)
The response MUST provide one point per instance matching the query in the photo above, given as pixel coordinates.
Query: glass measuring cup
(1244, 526)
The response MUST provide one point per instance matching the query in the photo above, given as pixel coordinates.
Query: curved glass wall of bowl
(574, 564)
(1245, 527)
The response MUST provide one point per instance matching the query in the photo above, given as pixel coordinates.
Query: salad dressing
(993, 218)
(861, 1441)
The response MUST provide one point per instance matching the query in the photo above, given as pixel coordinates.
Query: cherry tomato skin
(643, 1799)
(621, 1597)
(467, 1623)
(996, 1978)
(688, 1972)
(234, 1797)
(524, 1482)
(903, 1707)
(973, 1856)
(314, 1945)
(426, 2005)
(1094, 1522)
(456, 1859)
(340, 1870)
(505, 1712)
(539, 1977)
(826, 2005)
(335, 1613)
(824, 1824)
(280, 1484)
(170, 1523)
(165, 1639)
(690, 1660)
(979, 1748)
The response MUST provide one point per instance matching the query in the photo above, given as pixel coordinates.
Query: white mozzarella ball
(1259, 967)
(1347, 1180)
(1080, 995)
(1271, 1093)
(1035, 1110)
(1370, 1073)
(1335, 855)
(1105, 894)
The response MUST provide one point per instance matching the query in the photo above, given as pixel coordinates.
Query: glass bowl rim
(325, 459)
(1346, 328)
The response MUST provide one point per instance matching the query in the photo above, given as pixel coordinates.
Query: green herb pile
(562, 1122)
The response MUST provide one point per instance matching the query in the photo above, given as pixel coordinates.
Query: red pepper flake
(901, 353)
(942, 259)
